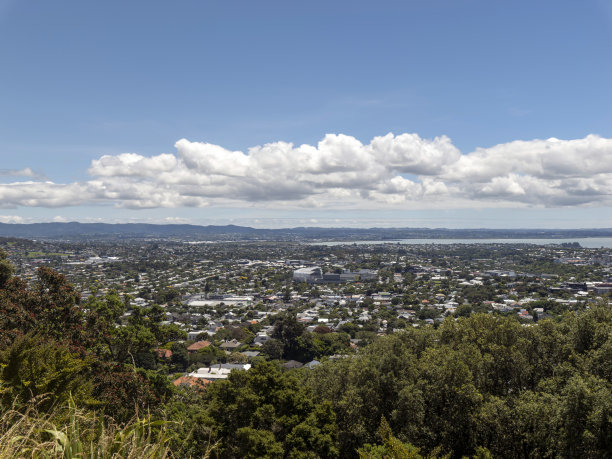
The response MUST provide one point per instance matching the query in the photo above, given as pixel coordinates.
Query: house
(230, 345)
(191, 382)
(312, 364)
(193, 334)
(261, 338)
(251, 354)
(195, 347)
(293, 364)
(164, 353)
(220, 371)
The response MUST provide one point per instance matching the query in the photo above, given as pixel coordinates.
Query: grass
(72, 433)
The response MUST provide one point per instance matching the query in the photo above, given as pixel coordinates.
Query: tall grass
(73, 433)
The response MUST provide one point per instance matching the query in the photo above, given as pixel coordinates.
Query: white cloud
(409, 153)
(43, 194)
(548, 159)
(12, 219)
(403, 171)
(548, 172)
(131, 164)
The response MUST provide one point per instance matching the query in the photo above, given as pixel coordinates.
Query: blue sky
(279, 105)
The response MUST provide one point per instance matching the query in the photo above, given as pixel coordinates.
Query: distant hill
(75, 230)
(72, 229)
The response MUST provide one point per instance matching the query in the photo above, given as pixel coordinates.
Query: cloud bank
(392, 171)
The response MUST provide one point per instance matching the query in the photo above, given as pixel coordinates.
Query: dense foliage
(482, 383)
(539, 391)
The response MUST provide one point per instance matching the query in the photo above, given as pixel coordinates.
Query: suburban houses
(223, 301)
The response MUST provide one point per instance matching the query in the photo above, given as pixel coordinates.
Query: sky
(429, 113)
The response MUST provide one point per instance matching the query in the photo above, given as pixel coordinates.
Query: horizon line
(314, 226)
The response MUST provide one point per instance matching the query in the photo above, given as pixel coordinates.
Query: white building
(309, 275)
(220, 371)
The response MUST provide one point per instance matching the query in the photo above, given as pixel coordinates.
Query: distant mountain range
(75, 230)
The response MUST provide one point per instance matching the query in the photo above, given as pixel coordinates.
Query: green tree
(288, 330)
(35, 368)
(269, 407)
(101, 319)
(273, 348)
(391, 447)
(179, 356)
(6, 268)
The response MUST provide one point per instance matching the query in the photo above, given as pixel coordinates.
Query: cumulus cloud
(131, 164)
(43, 194)
(548, 172)
(409, 153)
(396, 171)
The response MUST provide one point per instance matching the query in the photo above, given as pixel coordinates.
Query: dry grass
(72, 433)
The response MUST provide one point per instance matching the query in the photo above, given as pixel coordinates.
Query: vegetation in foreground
(71, 433)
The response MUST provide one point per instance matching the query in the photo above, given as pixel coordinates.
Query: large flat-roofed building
(310, 275)
(362, 275)
(314, 275)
